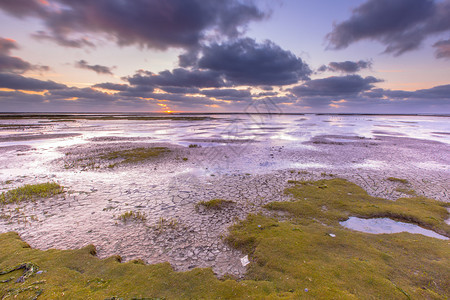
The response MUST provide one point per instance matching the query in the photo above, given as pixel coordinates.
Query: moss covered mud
(112, 156)
(31, 192)
(297, 250)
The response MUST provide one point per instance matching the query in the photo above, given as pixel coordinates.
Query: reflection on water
(282, 128)
(233, 133)
(386, 225)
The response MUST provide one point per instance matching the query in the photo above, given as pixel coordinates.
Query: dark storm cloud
(401, 25)
(178, 78)
(245, 62)
(18, 82)
(442, 49)
(335, 86)
(346, 66)
(82, 64)
(14, 64)
(151, 23)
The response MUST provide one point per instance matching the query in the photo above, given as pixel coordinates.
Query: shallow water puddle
(386, 225)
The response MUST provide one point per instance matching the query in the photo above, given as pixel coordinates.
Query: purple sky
(354, 56)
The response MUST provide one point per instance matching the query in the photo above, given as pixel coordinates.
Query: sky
(291, 56)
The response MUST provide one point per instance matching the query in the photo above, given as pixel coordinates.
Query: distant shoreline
(66, 114)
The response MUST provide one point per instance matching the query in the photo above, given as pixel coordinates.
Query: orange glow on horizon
(166, 109)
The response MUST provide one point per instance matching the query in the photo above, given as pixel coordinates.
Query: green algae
(78, 274)
(331, 201)
(135, 155)
(112, 159)
(215, 203)
(132, 216)
(31, 192)
(395, 179)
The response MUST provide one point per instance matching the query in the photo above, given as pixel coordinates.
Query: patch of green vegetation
(395, 179)
(164, 223)
(19, 126)
(406, 191)
(134, 155)
(65, 120)
(312, 251)
(185, 158)
(78, 274)
(326, 174)
(132, 216)
(307, 256)
(9, 181)
(194, 146)
(31, 192)
(350, 265)
(214, 203)
(331, 201)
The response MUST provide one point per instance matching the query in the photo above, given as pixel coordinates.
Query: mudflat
(169, 190)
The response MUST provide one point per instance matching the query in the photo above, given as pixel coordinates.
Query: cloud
(12, 64)
(6, 45)
(335, 86)
(401, 25)
(441, 92)
(149, 23)
(81, 93)
(442, 49)
(346, 66)
(180, 90)
(62, 40)
(82, 64)
(112, 86)
(245, 62)
(178, 78)
(22, 8)
(228, 94)
(375, 100)
(18, 82)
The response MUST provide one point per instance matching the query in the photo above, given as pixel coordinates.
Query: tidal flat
(175, 194)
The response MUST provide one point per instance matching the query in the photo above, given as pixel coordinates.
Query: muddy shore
(251, 169)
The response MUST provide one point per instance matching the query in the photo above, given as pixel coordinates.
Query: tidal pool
(386, 225)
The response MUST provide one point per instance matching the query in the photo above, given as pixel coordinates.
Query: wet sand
(247, 159)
